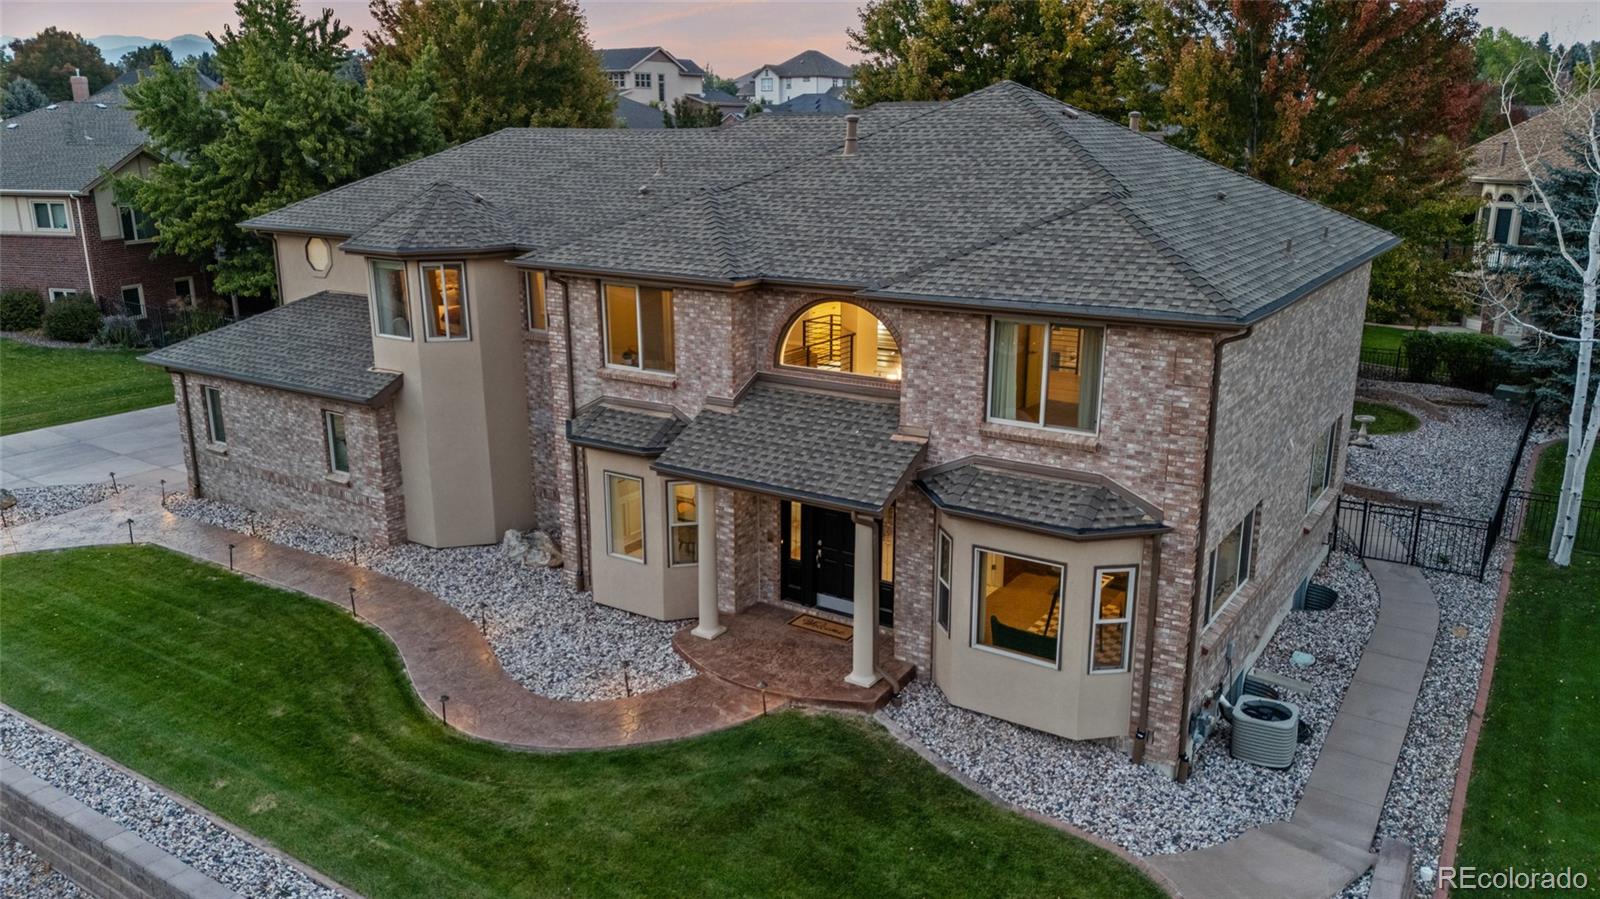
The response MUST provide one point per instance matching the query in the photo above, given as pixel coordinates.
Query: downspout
(83, 238)
(188, 433)
(1202, 534)
(572, 400)
(1141, 735)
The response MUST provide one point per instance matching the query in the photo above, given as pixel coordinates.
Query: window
(1045, 375)
(641, 79)
(215, 431)
(61, 293)
(838, 336)
(533, 284)
(391, 311)
(136, 226)
(639, 327)
(806, 79)
(1018, 608)
(1324, 458)
(625, 516)
(183, 289)
(619, 80)
(444, 286)
(1113, 620)
(319, 255)
(1229, 566)
(338, 450)
(683, 523)
(886, 547)
(766, 84)
(133, 301)
(50, 216)
(942, 577)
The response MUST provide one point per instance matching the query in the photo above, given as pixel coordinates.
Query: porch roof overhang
(1065, 504)
(817, 446)
(624, 428)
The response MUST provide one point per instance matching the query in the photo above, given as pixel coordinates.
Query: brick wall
(276, 458)
(41, 262)
(544, 433)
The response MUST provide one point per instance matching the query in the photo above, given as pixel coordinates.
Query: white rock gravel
(34, 503)
(551, 639)
(155, 816)
(1096, 787)
(27, 876)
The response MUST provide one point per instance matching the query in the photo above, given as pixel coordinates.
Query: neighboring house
(651, 74)
(633, 114)
(731, 108)
(61, 229)
(830, 103)
(1054, 409)
(811, 72)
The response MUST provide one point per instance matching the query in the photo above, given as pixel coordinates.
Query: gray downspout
(83, 238)
(1141, 736)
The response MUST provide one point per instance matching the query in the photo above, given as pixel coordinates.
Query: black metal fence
(1412, 535)
(1531, 514)
(1458, 363)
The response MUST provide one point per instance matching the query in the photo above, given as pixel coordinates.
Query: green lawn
(1534, 798)
(283, 715)
(44, 386)
(1390, 420)
(1382, 337)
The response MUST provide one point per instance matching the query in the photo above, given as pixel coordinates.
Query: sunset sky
(732, 37)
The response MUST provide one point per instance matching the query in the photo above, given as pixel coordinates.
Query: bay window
(1045, 374)
(1113, 620)
(1018, 605)
(625, 516)
(638, 327)
(391, 314)
(683, 523)
(942, 576)
(444, 286)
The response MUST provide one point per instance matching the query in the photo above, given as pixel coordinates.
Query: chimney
(1503, 146)
(1136, 120)
(80, 86)
(850, 133)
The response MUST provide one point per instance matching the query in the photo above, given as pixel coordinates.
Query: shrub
(1474, 361)
(1422, 350)
(189, 322)
(121, 331)
(21, 310)
(73, 319)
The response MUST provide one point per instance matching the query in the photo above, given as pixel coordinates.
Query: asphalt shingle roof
(1060, 505)
(320, 345)
(633, 114)
(625, 429)
(621, 59)
(67, 147)
(444, 218)
(1545, 138)
(811, 64)
(811, 104)
(805, 444)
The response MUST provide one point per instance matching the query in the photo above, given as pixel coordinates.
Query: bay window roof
(1055, 502)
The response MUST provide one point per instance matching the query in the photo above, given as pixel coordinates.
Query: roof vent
(99, 106)
(52, 106)
(10, 125)
(1221, 196)
(1288, 246)
(1136, 121)
(850, 139)
(1324, 232)
(1503, 145)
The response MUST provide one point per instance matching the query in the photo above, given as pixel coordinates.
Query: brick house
(62, 231)
(1051, 409)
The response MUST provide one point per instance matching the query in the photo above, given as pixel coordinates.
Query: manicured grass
(283, 715)
(1390, 420)
(44, 386)
(1534, 798)
(1382, 337)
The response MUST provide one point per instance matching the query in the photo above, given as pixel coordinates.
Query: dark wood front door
(819, 557)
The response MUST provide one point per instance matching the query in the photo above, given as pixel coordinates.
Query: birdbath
(1361, 438)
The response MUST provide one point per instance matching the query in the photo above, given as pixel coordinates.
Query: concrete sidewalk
(142, 447)
(1327, 843)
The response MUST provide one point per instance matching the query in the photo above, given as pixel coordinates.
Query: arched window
(839, 336)
(1499, 226)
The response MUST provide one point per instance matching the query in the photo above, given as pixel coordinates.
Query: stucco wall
(652, 586)
(298, 280)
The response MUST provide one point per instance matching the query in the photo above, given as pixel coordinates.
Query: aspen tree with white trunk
(1567, 227)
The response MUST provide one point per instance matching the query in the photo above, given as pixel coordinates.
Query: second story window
(1045, 374)
(136, 225)
(638, 328)
(50, 216)
(391, 312)
(533, 284)
(1501, 219)
(641, 79)
(444, 286)
(766, 84)
(838, 336)
(619, 80)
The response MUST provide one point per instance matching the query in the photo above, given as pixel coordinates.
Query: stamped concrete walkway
(1327, 843)
(442, 650)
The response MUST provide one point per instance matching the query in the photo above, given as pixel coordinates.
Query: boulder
(7, 499)
(533, 549)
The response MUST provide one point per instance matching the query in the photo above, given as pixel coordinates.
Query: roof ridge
(712, 201)
(1029, 100)
(1171, 254)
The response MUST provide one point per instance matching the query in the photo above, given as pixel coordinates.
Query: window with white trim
(1324, 459)
(638, 327)
(641, 79)
(619, 80)
(1017, 605)
(942, 578)
(1044, 374)
(766, 84)
(533, 287)
(61, 293)
(1112, 632)
(183, 290)
(136, 226)
(133, 300)
(1228, 566)
(338, 450)
(216, 431)
(391, 311)
(49, 216)
(683, 523)
(444, 289)
(625, 516)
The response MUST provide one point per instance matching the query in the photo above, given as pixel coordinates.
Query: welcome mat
(822, 626)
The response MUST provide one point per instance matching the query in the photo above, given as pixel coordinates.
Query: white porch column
(863, 663)
(706, 560)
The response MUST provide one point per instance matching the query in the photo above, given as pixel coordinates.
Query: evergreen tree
(714, 82)
(145, 57)
(50, 57)
(285, 128)
(21, 96)
(206, 64)
(686, 114)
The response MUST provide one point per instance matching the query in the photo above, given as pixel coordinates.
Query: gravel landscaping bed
(34, 503)
(1094, 786)
(153, 815)
(27, 876)
(553, 640)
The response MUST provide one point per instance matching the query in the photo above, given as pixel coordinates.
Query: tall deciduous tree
(506, 64)
(144, 57)
(715, 82)
(285, 127)
(50, 57)
(687, 114)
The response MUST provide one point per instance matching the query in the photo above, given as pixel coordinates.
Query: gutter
(1201, 537)
(83, 238)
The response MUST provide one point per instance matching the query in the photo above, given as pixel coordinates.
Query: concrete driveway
(142, 447)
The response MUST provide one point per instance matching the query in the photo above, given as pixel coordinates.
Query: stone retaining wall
(103, 858)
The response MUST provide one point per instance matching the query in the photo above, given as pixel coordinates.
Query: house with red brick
(62, 231)
(1026, 402)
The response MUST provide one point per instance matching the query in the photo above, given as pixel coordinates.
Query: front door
(819, 550)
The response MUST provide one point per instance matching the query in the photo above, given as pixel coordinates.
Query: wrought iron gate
(1412, 535)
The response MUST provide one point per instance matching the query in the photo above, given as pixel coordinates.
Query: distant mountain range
(113, 46)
